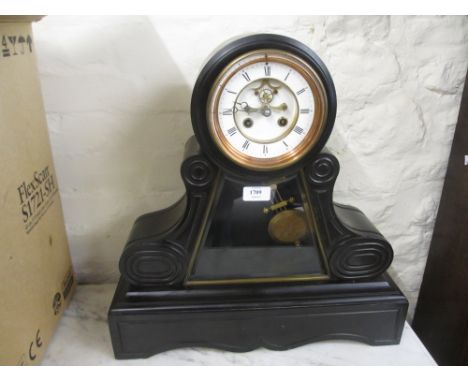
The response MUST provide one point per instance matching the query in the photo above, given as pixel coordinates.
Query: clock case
(178, 289)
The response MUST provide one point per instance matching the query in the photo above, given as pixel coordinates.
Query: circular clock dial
(266, 109)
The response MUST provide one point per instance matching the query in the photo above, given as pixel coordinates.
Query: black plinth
(144, 322)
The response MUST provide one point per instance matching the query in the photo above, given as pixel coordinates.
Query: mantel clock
(256, 253)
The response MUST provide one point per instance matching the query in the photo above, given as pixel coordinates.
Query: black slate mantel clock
(256, 253)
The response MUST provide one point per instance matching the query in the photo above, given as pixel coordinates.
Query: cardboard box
(36, 276)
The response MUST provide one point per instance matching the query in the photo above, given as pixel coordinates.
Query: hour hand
(280, 107)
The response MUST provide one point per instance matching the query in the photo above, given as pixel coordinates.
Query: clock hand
(281, 107)
(244, 106)
(264, 110)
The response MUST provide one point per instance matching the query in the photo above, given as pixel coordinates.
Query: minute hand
(244, 106)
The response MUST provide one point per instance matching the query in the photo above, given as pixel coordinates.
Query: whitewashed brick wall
(117, 93)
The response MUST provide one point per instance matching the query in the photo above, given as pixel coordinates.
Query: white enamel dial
(263, 109)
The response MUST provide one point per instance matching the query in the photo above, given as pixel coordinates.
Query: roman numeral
(227, 112)
(230, 91)
(299, 92)
(267, 69)
(265, 149)
(246, 145)
(246, 76)
(299, 130)
(287, 75)
(232, 131)
(305, 111)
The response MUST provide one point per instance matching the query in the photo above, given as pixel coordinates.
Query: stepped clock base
(240, 319)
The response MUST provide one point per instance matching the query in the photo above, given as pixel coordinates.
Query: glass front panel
(259, 239)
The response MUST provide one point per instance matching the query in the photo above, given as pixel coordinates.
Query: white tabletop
(83, 338)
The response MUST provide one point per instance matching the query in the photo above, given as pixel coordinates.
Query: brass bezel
(318, 122)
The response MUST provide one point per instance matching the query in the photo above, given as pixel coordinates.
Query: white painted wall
(117, 93)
